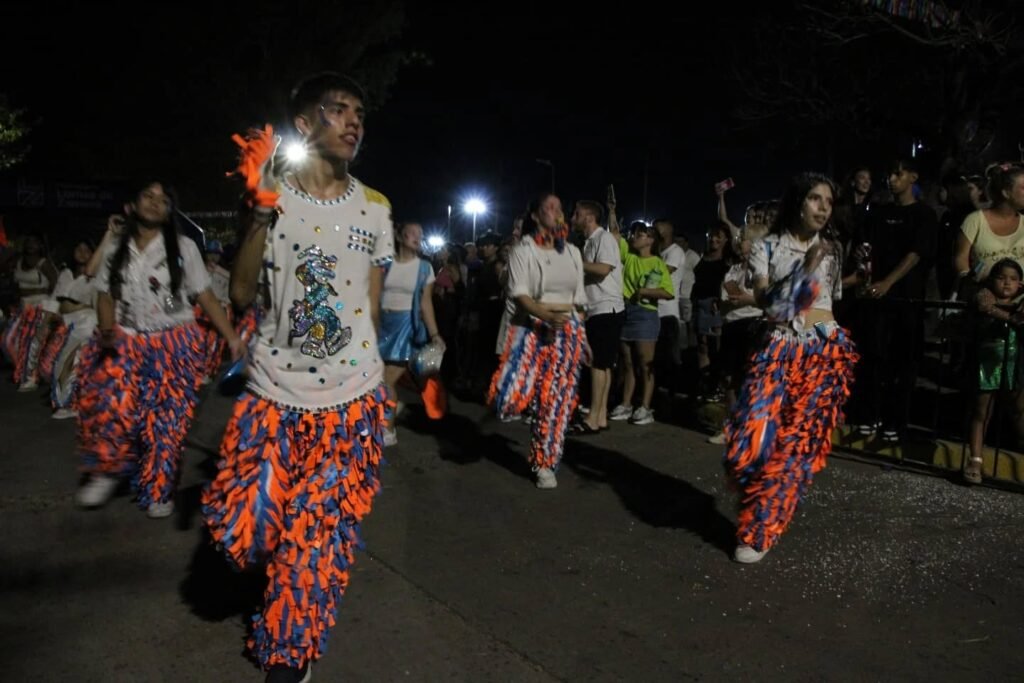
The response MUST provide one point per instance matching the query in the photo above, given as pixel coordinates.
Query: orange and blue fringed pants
(135, 406)
(540, 369)
(52, 347)
(290, 492)
(214, 345)
(19, 341)
(780, 431)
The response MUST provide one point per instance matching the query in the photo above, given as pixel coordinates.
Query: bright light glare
(435, 241)
(475, 206)
(295, 152)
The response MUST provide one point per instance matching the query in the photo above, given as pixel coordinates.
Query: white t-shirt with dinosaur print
(316, 346)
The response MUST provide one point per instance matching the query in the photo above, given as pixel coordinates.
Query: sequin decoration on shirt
(313, 315)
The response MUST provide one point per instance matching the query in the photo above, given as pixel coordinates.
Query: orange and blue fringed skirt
(780, 431)
(540, 369)
(290, 492)
(135, 405)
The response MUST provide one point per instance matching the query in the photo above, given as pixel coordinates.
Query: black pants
(890, 338)
(667, 354)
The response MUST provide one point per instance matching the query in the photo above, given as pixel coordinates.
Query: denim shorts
(642, 324)
(707, 320)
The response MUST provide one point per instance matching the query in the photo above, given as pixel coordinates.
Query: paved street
(471, 574)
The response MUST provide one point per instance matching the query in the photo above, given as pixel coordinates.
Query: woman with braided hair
(139, 375)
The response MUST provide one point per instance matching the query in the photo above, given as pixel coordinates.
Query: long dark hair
(169, 234)
(792, 202)
(729, 254)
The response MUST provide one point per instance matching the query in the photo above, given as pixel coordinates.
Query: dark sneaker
(279, 673)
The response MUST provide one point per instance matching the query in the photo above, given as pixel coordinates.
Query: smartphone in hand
(724, 185)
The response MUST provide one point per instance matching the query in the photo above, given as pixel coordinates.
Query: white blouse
(545, 276)
(146, 303)
(776, 256)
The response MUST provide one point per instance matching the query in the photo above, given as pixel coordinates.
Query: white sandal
(972, 474)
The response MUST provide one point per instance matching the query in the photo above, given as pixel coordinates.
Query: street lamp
(475, 207)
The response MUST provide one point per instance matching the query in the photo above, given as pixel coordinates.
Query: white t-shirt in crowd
(545, 276)
(146, 303)
(316, 346)
(687, 277)
(741, 274)
(605, 295)
(400, 284)
(81, 289)
(674, 257)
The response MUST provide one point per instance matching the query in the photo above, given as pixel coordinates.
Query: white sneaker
(718, 439)
(160, 510)
(28, 385)
(584, 409)
(642, 416)
(205, 380)
(546, 478)
(96, 492)
(390, 437)
(867, 430)
(64, 414)
(747, 555)
(511, 418)
(621, 412)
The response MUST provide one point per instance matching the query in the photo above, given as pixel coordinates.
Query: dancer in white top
(140, 374)
(780, 433)
(301, 454)
(545, 343)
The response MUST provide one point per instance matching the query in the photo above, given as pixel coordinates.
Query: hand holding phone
(724, 185)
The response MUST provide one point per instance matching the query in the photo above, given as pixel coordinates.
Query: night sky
(604, 97)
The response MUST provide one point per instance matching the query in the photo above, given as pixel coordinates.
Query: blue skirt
(641, 324)
(395, 336)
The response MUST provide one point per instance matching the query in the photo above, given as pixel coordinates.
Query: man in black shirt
(902, 237)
